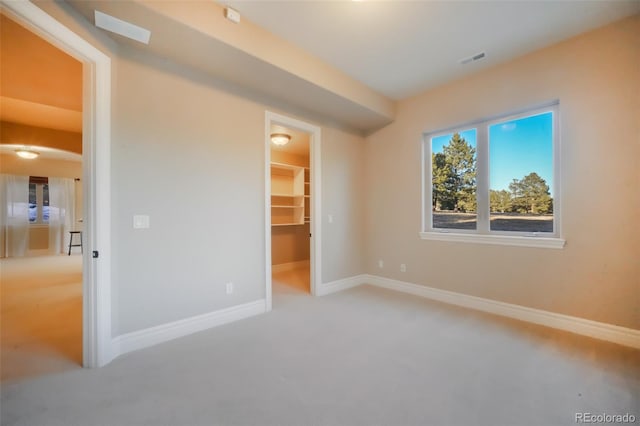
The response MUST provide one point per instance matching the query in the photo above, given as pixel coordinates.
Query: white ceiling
(401, 48)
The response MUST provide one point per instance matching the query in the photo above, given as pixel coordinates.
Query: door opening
(292, 176)
(42, 266)
(96, 139)
(290, 210)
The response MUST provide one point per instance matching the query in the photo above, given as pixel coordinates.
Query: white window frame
(39, 222)
(482, 234)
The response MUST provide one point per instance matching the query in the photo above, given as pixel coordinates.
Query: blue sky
(516, 148)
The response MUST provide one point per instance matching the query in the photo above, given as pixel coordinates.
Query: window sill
(502, 240)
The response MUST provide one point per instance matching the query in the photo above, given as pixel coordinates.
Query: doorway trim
(96, 141)
(272, 118)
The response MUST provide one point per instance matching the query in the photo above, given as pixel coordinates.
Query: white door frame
(96, 140)
(316, 214)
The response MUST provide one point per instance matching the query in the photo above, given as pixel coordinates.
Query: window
(38, 200)
(453, 180)
(495, 181)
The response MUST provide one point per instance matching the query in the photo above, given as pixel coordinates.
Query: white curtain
(14, 216)
(61, 213)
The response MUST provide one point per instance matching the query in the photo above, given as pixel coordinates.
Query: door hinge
(95, 254)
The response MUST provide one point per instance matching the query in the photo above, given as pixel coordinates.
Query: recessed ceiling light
(123, 28)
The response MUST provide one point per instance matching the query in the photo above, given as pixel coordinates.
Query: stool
(71, 234)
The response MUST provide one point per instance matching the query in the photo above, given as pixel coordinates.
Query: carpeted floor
(41, 313)
(365, 356)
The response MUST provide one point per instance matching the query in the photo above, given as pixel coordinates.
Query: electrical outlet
(229, 288)
(403, 267)
(330, 218)
(380, 263)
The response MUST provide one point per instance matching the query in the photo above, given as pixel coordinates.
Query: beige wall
(191, 157)
(192, 153)
(596, 78)
(343, 188)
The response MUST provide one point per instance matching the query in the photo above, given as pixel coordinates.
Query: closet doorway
(291, 206)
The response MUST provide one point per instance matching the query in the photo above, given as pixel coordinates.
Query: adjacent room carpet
(41, 314)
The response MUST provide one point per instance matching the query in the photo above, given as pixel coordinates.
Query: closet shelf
(286, 195)
(284, 166)
(288, 183)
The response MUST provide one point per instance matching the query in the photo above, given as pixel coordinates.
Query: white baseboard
(282, 267)
(162, 333)
(612, 333)
(151, 336)
(339, 285)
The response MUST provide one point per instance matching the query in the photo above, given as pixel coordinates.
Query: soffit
(197, 34)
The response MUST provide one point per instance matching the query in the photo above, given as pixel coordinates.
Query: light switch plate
(140, 221)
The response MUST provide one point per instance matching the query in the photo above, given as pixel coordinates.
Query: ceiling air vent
(473, 58)
(123, 28)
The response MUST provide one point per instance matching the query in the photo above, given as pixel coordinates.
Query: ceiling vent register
(474, 58)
